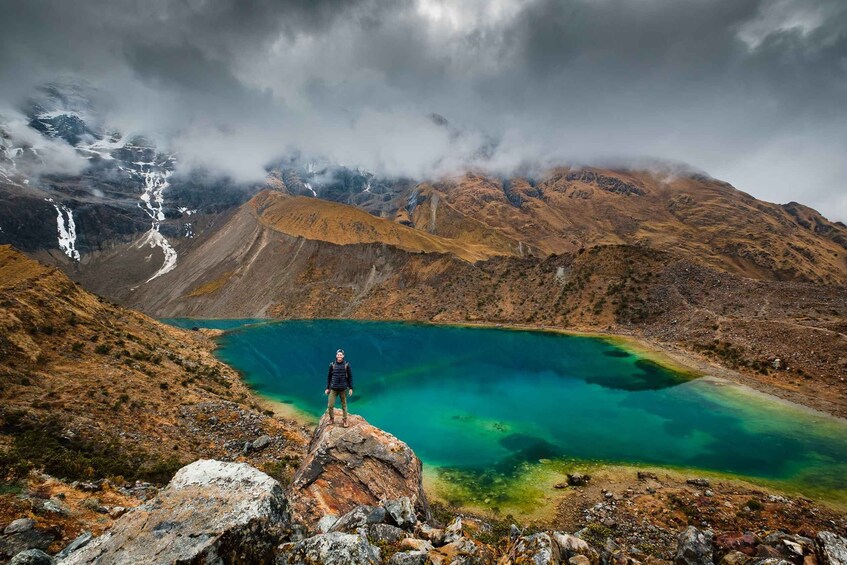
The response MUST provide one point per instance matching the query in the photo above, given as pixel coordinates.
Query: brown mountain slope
(320, 220)
(89, 389)
(707, 219)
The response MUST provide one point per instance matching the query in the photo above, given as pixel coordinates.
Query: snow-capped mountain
(115, 186)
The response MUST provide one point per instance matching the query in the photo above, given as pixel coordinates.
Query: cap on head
(341, 351)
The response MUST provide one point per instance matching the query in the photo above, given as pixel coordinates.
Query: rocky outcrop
(355, 466)
(211, 512)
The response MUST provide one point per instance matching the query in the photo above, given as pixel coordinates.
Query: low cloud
(750, 91)
(36, 154)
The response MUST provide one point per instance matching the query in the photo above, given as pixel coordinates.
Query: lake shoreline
(668, 355)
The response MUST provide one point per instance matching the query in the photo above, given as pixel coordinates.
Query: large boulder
(353, 466)
(210, 512)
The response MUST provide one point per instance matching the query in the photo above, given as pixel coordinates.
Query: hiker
(339, 380)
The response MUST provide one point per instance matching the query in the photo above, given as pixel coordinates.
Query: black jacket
(340, 376)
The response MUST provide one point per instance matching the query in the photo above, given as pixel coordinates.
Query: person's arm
(350, 378)
(329, 377)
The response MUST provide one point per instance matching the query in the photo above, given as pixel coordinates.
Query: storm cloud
(750, 91)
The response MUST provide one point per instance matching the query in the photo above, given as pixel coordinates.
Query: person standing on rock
(338, 381)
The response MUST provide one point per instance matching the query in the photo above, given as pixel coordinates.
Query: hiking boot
(344, 423)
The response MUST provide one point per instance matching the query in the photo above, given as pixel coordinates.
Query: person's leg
(343, 394)
(331, 405)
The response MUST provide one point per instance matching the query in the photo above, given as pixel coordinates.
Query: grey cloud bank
(751, 91)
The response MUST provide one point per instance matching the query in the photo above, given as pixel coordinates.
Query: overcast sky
(751, 91)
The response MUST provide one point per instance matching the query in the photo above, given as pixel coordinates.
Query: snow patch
(103, 147)
(154, 239)
(67, 230)
(155, 183)
(309, 186)
(153, 196)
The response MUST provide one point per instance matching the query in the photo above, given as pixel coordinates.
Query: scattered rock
(694, 547)
(745, 543)
(333, 548)
(645, 476)
(386, 533)
(453, 531)
(19, 526)
(833, 548)
(415, 544)
(735, 558)
(32, 557)
(116, 512)
(427, 532)
(462, 552)
(698, 482)
(261, 443)
(55, 506)
(538, 549)
(326, 523)
(79, 542)
(768, 552)
(348, 467)
(21, 536)
(408, 558)
(570, 545)
(578, 479)
(211, 511)
(358, 517)
(401, 512)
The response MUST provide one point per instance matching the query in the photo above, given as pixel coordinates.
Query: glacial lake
(485, 405)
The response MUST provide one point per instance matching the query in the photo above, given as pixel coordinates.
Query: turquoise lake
(488, 401)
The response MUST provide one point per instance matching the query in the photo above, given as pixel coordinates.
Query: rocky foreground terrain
(357, 498)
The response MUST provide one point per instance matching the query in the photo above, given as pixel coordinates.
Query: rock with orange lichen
(353, 466)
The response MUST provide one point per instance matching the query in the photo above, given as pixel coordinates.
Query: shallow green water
(485, 401)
